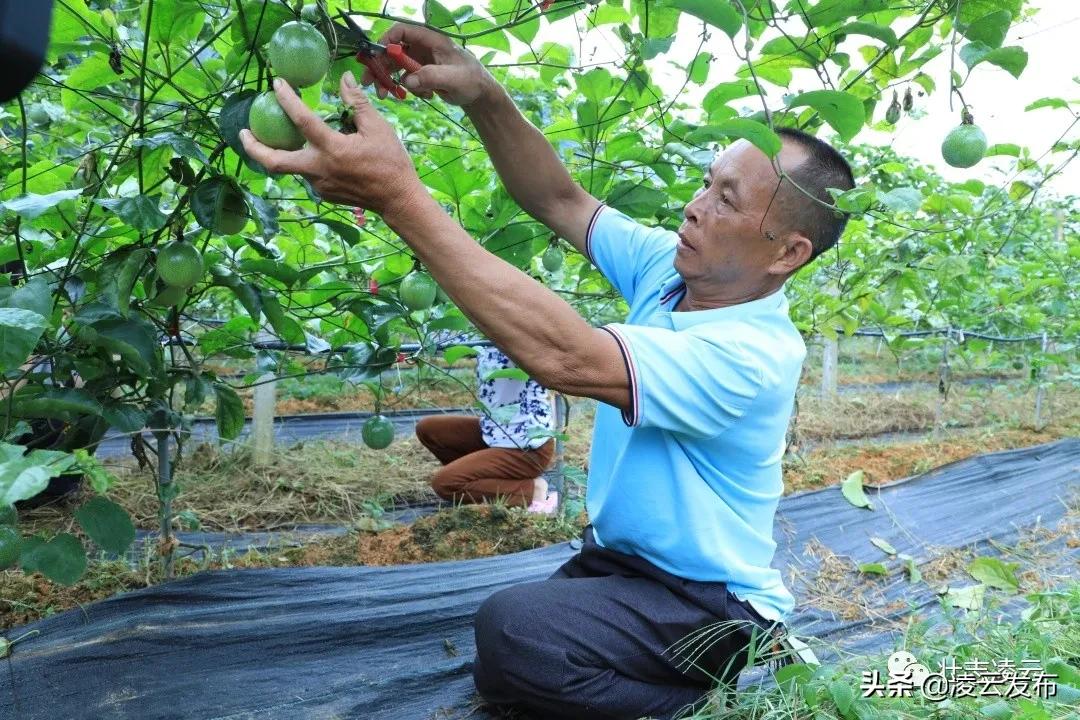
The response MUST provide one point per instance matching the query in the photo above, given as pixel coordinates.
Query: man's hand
(368, 169)
(448, 69)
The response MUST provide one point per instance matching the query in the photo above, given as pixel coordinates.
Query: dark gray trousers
(610, 637)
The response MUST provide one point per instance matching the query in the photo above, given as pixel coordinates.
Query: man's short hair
(823, 168)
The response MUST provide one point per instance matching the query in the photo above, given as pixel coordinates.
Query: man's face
(723, 240)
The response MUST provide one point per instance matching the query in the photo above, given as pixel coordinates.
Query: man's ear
(796, 252)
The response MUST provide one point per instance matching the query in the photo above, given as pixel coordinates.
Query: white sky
(996, 98)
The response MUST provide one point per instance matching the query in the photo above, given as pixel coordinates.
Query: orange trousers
(472, 472)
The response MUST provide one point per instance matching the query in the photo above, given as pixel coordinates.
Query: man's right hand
(448, 69)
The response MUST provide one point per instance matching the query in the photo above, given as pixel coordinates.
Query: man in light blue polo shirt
(695, 388)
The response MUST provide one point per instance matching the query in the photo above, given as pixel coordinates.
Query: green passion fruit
(417, 291)
(378, 432)
(298, 53)
(964, 146)
(552, 258)
(231, 217)
(272, 126)
(180, 265)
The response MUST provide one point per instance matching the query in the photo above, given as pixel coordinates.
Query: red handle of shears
(398, 55)
(382, 76)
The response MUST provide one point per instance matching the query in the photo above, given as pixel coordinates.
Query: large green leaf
(232, 119)
(1012, 59)
(990, 29)
(24, 476)
(31, 206)
(229, 412)
(35, 296)
(133, 264)
(54, 402)
(20, 331)
(884, 33)
(287, 329)
(995, 572)
(133, 340)
(636, 199)
(436, 15)
(125, 417)
(843, 111)
(718, 13)
(61, 559)
(852, 488)
(759, 134)
(140, 211)
(107, 524)
(183, 146)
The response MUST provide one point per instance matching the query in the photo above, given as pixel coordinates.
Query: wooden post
(1040, 394)
(830, 355)
(262, 423)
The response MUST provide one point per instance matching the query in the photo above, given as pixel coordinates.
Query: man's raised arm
(527, 165)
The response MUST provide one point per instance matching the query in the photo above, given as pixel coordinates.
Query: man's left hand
(369, 169)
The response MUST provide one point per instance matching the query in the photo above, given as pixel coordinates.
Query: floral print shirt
(518, 412)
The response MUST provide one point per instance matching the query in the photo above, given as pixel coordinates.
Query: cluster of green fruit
(300, 55)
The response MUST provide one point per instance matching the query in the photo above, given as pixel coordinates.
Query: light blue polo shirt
(689, 478)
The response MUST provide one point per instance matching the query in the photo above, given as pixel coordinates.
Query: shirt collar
(673, 287)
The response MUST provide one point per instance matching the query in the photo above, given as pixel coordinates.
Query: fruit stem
(966, 117)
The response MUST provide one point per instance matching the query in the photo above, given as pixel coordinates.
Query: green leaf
(265, 215)
(455, 352)
(904, 199)
(133, 340)
(843, 111)
(636, 199)
(883, 545)
(717, 13)
(286, 328)
(1009, 149)
(990, 29)
(31, 205)
(1047, 102)
(20, 331)
(852, 488)
(966, 598)
(913, 573)
(183, 146)
(995, 573)
(107, 524)
(176, 21)
(232, 119)
(61, 559)
(761, 135)
(699, 68)
(24, 476)
(54, 402)
(35, 296)
(266, 16)
(140, 212)
(1012, 59)
(827, 12)
(879, 32)
(873, 569)
(129, 273)
(229, 412)
(346, 232)
(436, 15)
(513, 243)
(508, 373)
(842, 696)
(125, 417)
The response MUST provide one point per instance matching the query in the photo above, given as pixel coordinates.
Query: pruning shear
(368, 52)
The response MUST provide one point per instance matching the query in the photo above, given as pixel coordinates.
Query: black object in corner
(24, 36)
